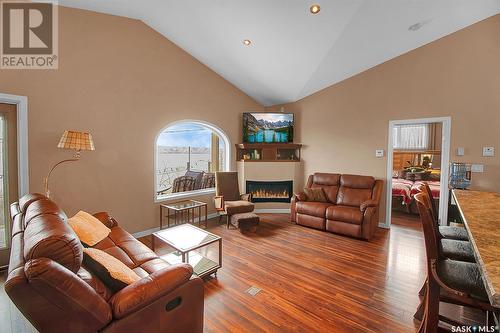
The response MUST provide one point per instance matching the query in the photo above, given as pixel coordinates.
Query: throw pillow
(112, 272)
(89, 229)
(315, 194)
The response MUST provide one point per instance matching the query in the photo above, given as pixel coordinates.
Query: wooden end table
(184, 210)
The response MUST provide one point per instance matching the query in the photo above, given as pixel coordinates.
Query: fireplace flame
(270, 194)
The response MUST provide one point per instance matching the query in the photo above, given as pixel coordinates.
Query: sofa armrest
(219, 203)
(148, 289)
(246, 197)
(370, 222)
(368, 203)
(106, 219)
(63, 292)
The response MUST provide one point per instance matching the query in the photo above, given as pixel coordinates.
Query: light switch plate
(488, 151)
(379, 153)
(460, 151)
(477, 168)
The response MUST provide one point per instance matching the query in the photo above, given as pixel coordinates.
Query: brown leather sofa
(352, 207)
(56, 293)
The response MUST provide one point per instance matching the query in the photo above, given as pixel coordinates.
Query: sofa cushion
(95, 283)
(126, 248)
(311, 221)
(356, 181)
(329, 182)
(344, 214)
(354, 190)
(48, 236)
(317, 209)
(238, 207)
(343, 228)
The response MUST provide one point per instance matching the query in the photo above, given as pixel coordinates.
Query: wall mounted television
(265, 127)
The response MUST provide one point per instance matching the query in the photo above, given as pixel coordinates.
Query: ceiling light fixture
(247, 42)
(315, 9)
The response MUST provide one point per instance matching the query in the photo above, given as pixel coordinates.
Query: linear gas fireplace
(270, 191)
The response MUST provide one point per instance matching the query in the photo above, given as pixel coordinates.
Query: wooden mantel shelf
(268, 152)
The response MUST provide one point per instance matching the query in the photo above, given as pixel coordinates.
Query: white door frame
(21, 103)
(445, 162)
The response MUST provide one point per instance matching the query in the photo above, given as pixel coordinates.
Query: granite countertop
(481, 215)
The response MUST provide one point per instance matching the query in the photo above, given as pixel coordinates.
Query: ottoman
(245, 221)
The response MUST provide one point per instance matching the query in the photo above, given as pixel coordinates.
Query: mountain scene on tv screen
(267, 128)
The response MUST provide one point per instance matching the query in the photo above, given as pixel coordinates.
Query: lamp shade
(76, 140)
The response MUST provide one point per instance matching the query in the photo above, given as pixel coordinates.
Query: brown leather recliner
(56, 293)
(228, 200)
(352, 207)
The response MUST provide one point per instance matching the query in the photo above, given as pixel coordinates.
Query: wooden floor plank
(310, 281)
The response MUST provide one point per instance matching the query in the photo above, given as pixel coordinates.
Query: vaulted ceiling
(294, 53)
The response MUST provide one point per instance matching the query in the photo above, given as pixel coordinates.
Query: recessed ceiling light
(247, 42)
(315, 9)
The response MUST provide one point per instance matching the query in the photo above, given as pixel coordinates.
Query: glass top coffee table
(184, 211)
(197, 247)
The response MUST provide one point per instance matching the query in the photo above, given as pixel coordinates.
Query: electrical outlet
(488, 151)
(477, 168)
(379, 153)
(460, 151)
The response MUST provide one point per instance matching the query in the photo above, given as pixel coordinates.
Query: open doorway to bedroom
(418, 152)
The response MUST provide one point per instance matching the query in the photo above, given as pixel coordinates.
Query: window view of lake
(184, 156)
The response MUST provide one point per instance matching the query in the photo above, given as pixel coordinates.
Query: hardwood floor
(310, 281)
(313, 281)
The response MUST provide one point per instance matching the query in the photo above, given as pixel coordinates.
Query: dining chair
(459, 250)
(448, 280)
(447, 232)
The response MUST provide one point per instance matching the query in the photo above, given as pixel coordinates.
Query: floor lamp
(76, 141)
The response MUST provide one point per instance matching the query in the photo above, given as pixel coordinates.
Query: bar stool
(454, 249)
(446, 232)
(448, 280)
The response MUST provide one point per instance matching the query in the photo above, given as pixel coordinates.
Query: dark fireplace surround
(270, 191)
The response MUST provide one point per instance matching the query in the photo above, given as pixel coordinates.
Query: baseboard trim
(273, 210)
(150, 231)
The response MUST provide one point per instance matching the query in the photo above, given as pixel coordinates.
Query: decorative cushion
(89, 229)
(316, 194)
(115, 274)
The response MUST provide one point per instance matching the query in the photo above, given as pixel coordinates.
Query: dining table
(479, 211)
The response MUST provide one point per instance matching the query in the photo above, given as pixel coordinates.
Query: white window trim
(196, 193)
(21, 103)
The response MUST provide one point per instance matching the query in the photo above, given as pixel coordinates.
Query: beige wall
(123, 82)
(457, 76)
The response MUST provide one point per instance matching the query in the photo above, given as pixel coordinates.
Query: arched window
(188, 153)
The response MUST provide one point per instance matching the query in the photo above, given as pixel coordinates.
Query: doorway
(418, 150)
(9, 192)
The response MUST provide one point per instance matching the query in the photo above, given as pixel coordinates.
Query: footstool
(245, 221)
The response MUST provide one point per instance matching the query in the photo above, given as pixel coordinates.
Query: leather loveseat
(352, 207)
(53, 289)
